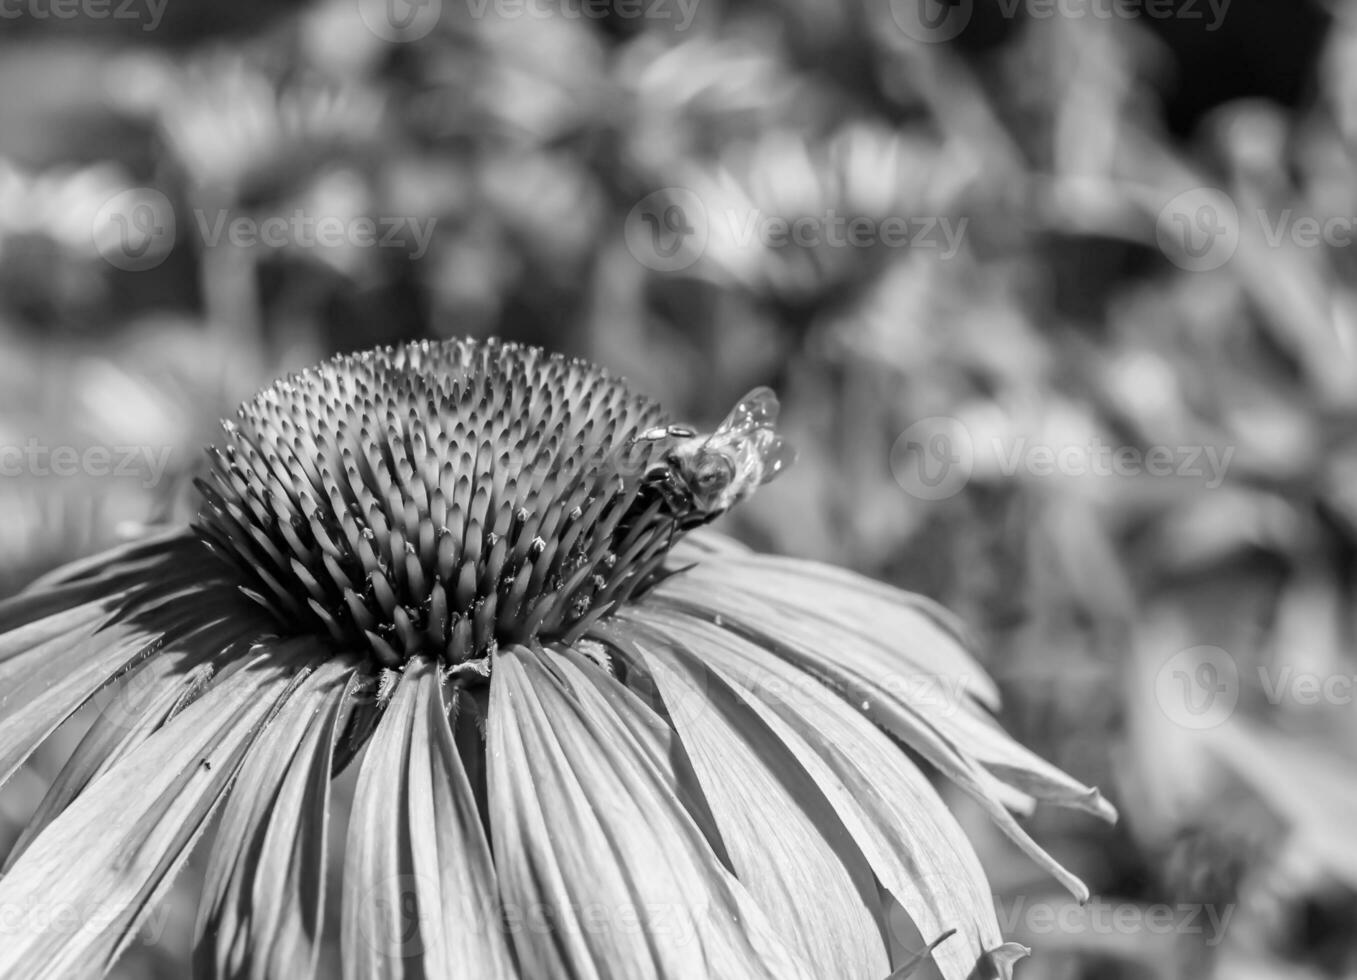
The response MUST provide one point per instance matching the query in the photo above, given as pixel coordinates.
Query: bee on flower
(562, 694)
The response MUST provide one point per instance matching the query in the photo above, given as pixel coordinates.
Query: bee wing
(756, 410)
(749, 432)
(777, 454)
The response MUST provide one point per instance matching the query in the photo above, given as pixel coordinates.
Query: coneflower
(592, 743)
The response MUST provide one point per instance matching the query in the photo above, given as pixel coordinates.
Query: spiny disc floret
(438, 498)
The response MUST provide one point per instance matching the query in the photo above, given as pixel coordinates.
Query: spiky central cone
(438, 499)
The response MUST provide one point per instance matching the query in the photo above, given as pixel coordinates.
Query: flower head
(594, 742)
(438, 500)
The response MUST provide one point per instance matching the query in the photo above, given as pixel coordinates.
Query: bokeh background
(1063, 318)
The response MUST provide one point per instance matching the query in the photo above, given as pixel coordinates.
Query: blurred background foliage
(528, 142)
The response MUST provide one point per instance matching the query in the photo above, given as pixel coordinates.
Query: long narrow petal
(590, 835)
(68, 626)
(118, 559)
(419, 884)
(913, 842)
(111, 576)
(786, 843)
(817, 647)
(112, 853)
(134, 708)
(888, 637)
(702, 544)
(1022, 768)
(263, 896)
(45, 686)
(25, 609)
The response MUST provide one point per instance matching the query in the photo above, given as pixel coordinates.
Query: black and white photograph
(678, 489)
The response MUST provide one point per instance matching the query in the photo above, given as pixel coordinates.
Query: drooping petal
(786, 843)
(25, 610)
(263, 896)
(589, 834)
(161, 545)
(889, 637)
(111, 576)
(134, 708)
(419, 884)
(829, 650)
(67, 626)
(912, 841)
(44, 686)
(1021, 768)
(911, 965)
(113, 852)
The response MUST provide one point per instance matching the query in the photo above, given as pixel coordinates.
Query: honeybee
(701, 476)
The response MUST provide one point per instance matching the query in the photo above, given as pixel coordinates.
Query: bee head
(712, 473)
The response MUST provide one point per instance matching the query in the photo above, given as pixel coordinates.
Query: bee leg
(700, 518)
(660, 481)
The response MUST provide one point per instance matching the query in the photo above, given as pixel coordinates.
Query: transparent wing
(777, 454)
(756, 410)
(749, 437)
